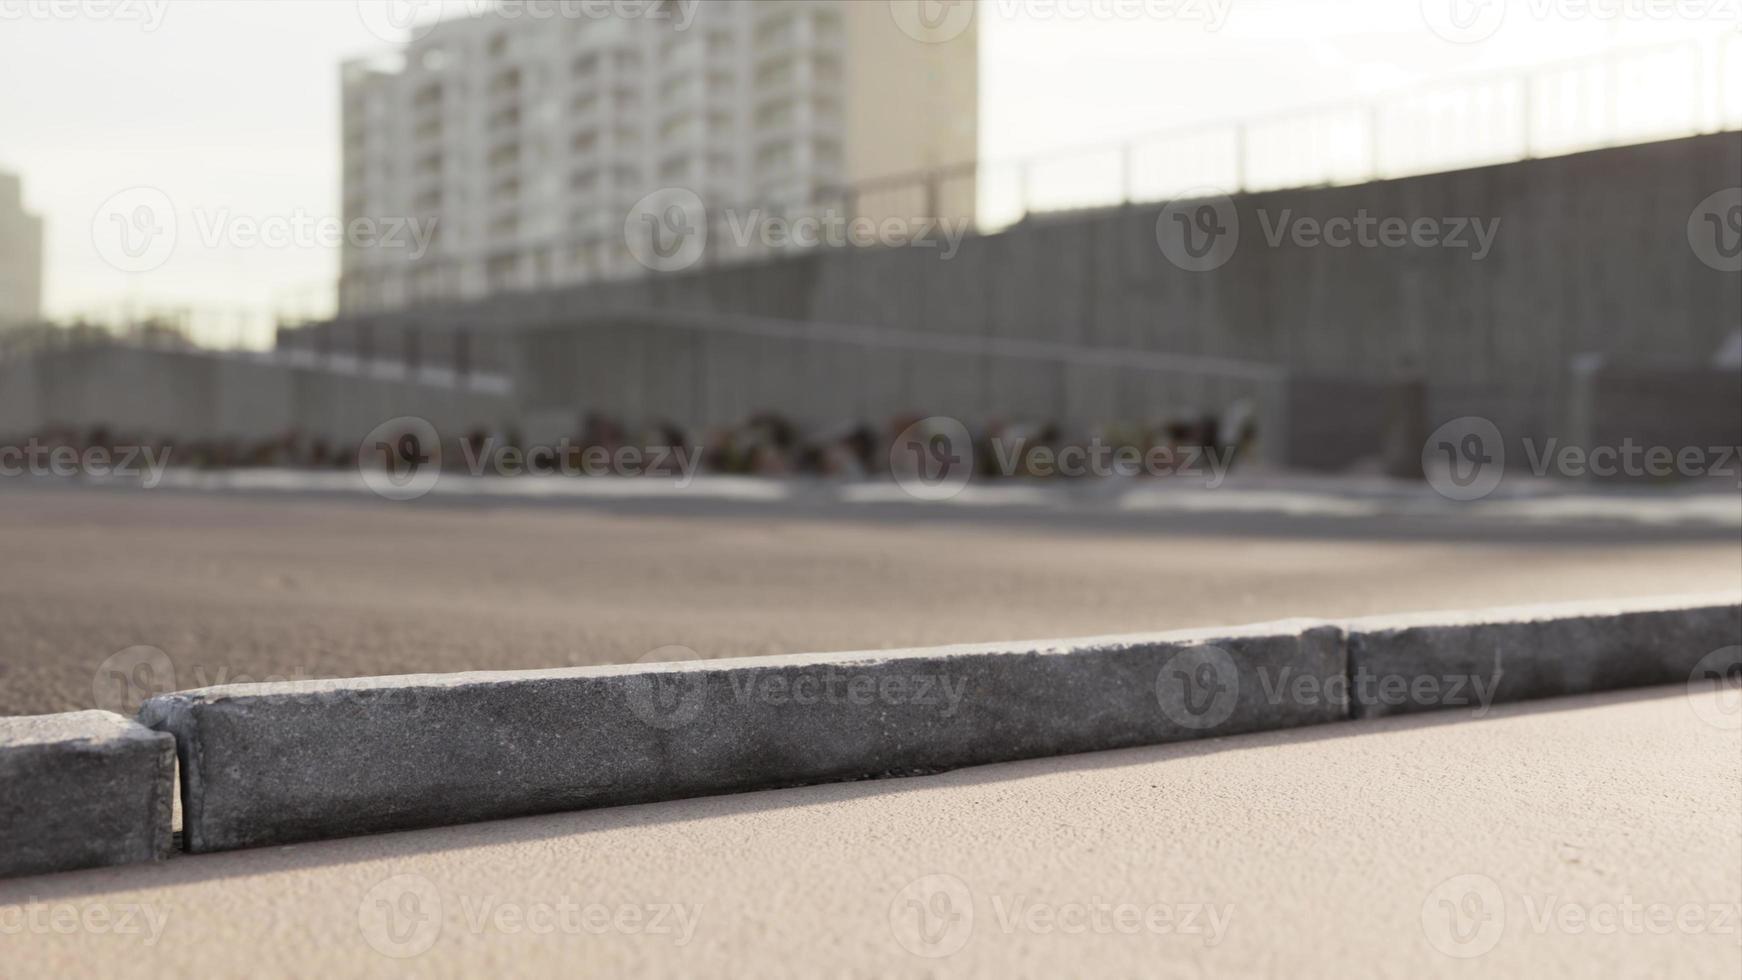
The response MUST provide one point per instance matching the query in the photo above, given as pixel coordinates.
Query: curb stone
(1456, 660)
(82, 790)
(279, 763)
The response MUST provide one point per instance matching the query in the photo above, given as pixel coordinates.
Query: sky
(231, 107)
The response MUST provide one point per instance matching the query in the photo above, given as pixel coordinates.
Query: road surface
(253, 587)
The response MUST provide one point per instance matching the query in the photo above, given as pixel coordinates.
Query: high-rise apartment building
(20, 256)
(528, 138)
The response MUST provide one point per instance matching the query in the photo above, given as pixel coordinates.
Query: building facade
(528, 140)
(20, 256)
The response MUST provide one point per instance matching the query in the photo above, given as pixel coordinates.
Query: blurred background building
(20, 256)
(528, 139)
(1603, 306)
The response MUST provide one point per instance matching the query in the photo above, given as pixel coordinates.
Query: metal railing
(1622, 97)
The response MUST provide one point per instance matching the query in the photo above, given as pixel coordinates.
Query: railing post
(1239, 158)
(1612, 97)
(1373, 142)
(1526, 112)
(1127, 173)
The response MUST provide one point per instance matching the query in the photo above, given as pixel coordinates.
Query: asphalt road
(233, 587)
(1585, 837)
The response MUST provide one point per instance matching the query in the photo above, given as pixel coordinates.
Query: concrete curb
(1426, 662)
(279, 763)
(82, 790)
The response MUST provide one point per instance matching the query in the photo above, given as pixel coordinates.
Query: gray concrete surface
(1428, 662)
(281, 763)
(175, 590)
(1599, 836)
(83, 789)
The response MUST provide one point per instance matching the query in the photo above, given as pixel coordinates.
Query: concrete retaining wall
(700, 372)
(201, 395)
(1699, 409)
(1591, 256)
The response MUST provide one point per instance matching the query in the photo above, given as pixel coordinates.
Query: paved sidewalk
(1596, 836)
